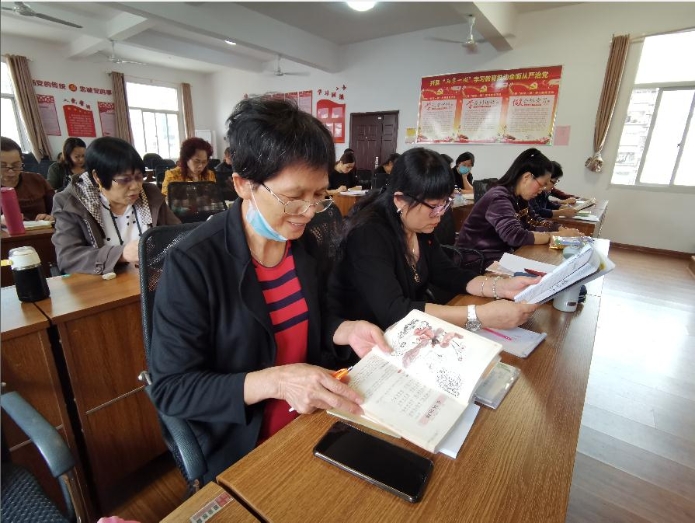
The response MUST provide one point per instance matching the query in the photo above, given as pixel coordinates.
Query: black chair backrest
(364, 178)
(149, 160)
(195, 201)
(159, 172)
(154, 246)
(321, 238)
(446, 231)
(212, 163)
(44, 165)
(31, 164)
(480, 187)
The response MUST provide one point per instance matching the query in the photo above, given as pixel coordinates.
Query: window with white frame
(154, 118)
(657, 145)
(11, 125)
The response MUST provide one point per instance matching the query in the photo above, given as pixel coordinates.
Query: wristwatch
(473, 324)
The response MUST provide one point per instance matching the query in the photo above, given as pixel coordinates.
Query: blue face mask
(259, 224)
(464, 170)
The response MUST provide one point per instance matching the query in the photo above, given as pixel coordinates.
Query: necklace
(412, 261)
(115, 223)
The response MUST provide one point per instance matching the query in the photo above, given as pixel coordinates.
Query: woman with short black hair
(101, 215)
(71, 163)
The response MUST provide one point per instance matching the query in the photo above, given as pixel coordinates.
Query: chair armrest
(46, 438)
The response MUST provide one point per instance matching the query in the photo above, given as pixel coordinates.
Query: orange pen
(340, 374)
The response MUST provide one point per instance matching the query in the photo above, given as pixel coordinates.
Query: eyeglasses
(542, 186)
(297, 207)
(16, 167)
(554, 182)
(127, 180)
(436, 210)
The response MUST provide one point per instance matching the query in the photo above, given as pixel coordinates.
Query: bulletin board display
(513, 106)
(332, 114)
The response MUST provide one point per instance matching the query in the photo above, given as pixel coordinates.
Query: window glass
(662, 59)
(152, 97)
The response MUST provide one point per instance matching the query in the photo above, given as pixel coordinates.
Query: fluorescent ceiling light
(361, 6)
(230, 42)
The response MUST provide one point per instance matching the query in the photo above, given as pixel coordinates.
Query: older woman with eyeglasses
(240, 335)
(389, 255)
(101, 215)
(192, 165)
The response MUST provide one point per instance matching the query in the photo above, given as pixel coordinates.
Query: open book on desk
(421, 390)
(585, 266)
(583, 204)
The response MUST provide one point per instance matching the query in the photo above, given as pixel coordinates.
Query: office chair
(31, 164)
(364, 178)
(480, 187)
(159, 172)
(149, 160)
(23, 499)
(178, 436)
(212, 163)
(195, 201)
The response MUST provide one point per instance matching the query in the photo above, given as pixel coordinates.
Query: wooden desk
(39, 239)
(588, 228)
(28, 367)
(345, 202)
(100, 329)
(461, 212)
(211, 496)
(516, 464)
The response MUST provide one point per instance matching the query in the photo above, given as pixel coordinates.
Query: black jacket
(373, 281)
(211, 327)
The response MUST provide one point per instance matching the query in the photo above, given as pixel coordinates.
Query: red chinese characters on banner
(507, 106)
(79, 119)
(107, 118)
(332, 114)
(71, 87)
(48, 114)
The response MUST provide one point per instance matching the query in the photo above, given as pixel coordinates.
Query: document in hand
(581, 268)
(583, 204)
(422, 388)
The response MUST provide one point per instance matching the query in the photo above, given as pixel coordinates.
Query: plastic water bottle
(10, 209)
(27, 272)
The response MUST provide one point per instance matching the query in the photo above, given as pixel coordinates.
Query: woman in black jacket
(238, 327)
(389, 255)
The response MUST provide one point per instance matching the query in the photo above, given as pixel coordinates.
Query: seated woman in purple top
(502, 220)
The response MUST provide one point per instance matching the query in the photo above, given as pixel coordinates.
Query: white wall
(385, 75)
(47, 63)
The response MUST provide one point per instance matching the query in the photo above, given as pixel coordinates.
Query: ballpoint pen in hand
(338, 374)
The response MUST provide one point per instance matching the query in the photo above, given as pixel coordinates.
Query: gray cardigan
(79, 237)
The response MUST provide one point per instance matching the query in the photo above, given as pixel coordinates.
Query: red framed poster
(505, 106)
(332, 115)
(107, 118)
(79, 119)
(48, 114)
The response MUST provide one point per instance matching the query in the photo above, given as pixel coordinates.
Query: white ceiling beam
(245, 27)
(95, 37)
(126, 25)
(178, 47)
(496, 22)
(82, 46)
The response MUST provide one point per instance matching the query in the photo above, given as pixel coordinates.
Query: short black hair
(557, 170)
(8, 144)
(448, 158)
(110, 156)
(531, 160)
(268, 135)
(465, 156)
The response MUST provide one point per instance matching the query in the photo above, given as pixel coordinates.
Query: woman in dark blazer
(389, 255)
(238, 327)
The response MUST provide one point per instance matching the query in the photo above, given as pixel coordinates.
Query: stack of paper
(517, 341)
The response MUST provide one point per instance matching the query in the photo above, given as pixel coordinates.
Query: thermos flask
(10, 209)
(29, 279)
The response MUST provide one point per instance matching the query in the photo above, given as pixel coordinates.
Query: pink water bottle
(10, 209)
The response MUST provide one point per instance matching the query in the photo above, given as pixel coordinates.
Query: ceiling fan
(115, 60)
(23, 9)
(279, 72)
(470, 44)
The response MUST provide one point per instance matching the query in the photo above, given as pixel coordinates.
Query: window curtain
(609, 96)
(28, 105)
(188, 125)
(120, 104)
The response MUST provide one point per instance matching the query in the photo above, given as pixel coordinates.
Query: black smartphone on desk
(395, 469)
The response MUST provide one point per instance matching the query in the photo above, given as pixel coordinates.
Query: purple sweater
(500, 222)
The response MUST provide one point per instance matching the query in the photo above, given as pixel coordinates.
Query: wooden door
(373, 136)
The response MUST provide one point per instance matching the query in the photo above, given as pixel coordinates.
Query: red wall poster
(508, 106)
(107, 118)
(79, 119)
(332, 115)
(48, 114)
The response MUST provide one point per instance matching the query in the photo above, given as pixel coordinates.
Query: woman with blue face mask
(239, 329)
(463, 176)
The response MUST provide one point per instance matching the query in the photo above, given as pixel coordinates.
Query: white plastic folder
(518, 341)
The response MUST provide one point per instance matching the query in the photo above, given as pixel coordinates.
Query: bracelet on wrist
(494, 287)
(482, 287)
